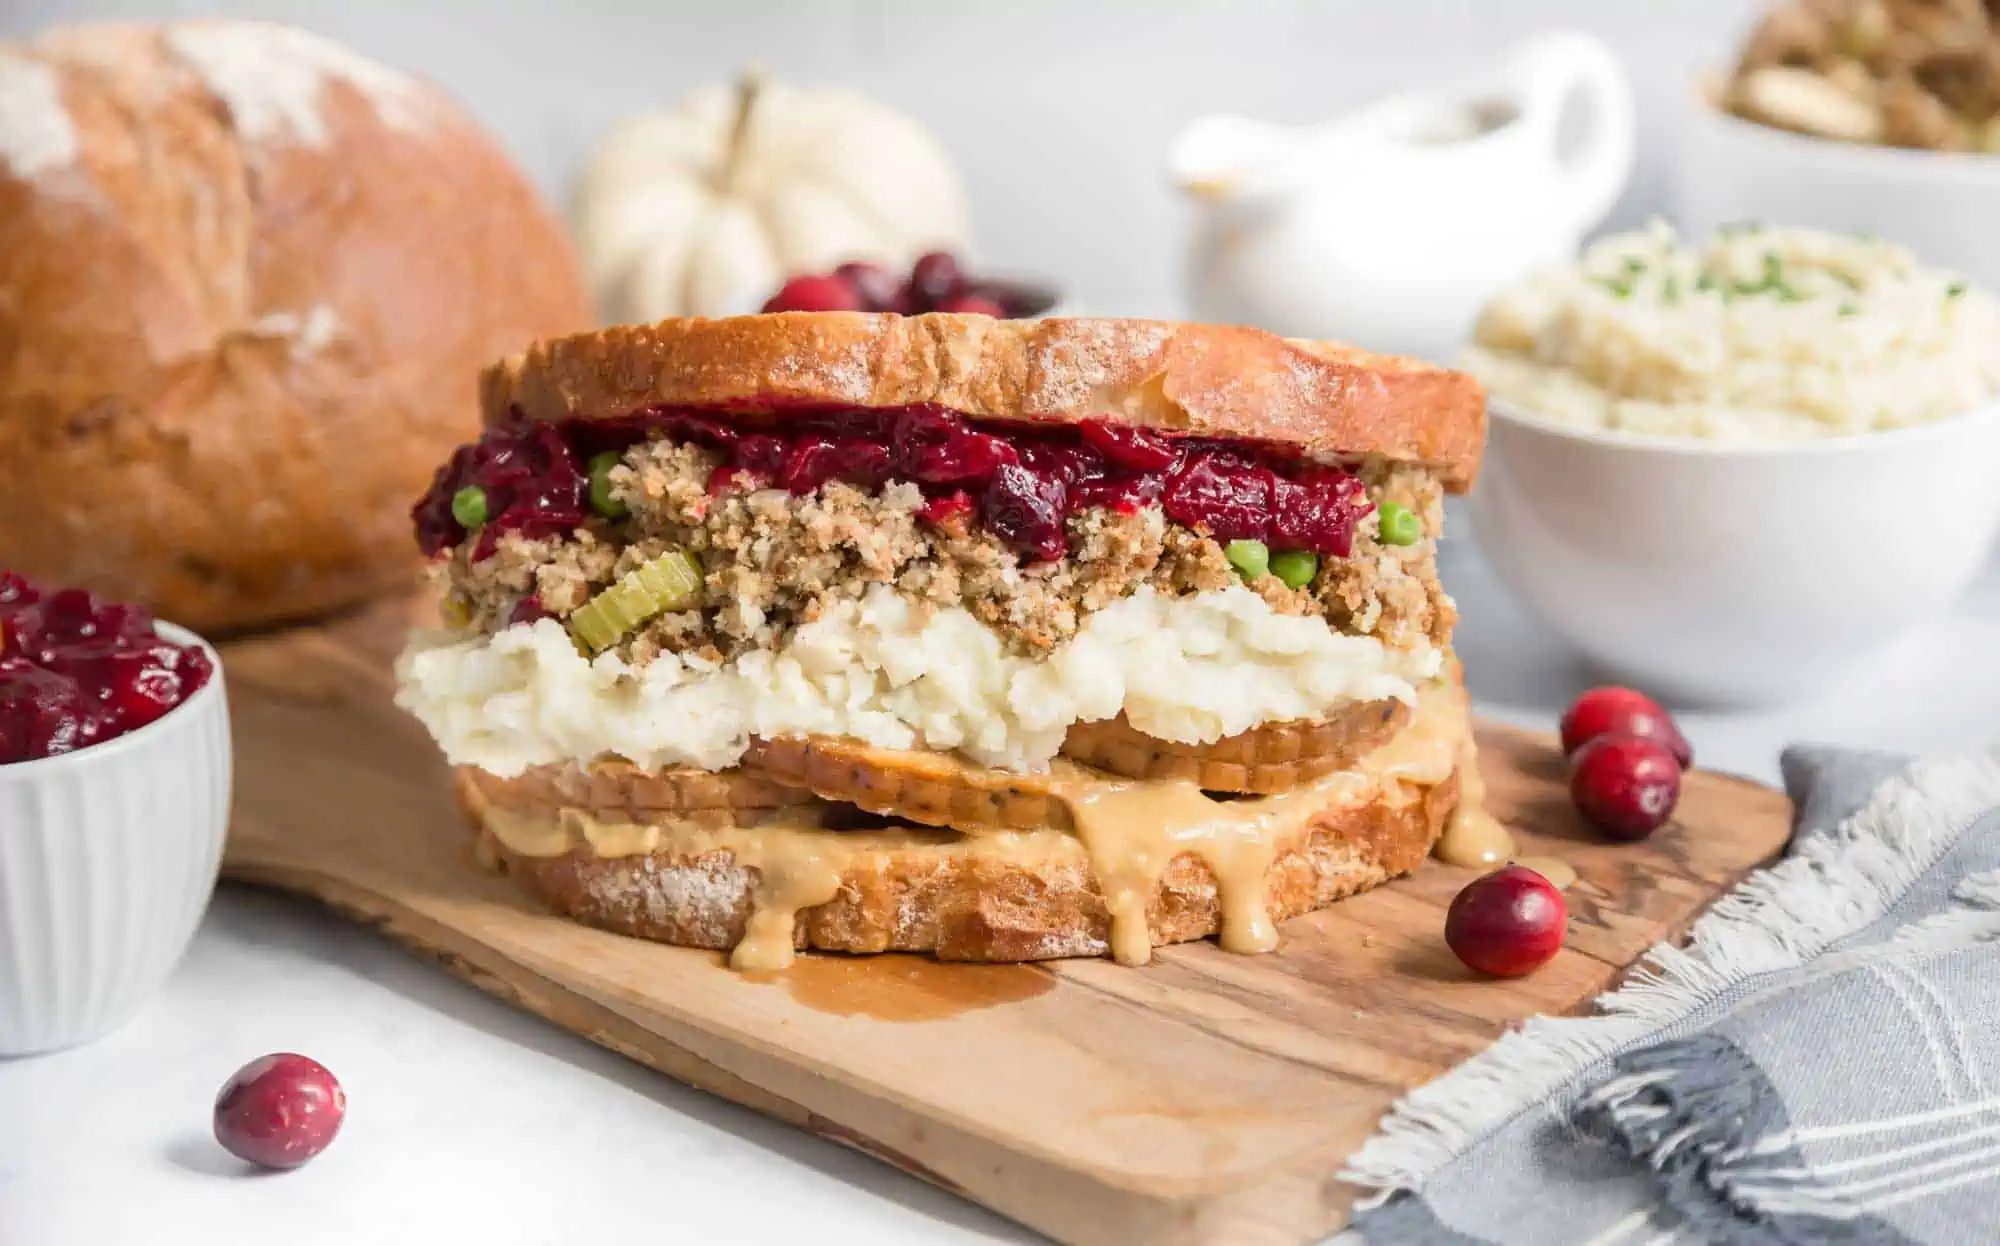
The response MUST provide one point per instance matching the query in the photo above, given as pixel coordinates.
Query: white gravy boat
(1392, 226)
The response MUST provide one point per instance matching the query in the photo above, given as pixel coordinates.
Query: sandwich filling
(910, 579)
(1127, 833)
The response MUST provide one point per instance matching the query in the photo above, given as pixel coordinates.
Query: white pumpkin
(706, 210)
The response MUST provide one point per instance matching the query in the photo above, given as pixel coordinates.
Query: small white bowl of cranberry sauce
(114, 804)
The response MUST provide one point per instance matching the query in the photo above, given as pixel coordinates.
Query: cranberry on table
(1625, 785)
(279, 1111)
(1508, 923)
(1613, 710)
(816, 293)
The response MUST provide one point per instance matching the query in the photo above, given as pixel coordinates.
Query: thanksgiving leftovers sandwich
(998, 640)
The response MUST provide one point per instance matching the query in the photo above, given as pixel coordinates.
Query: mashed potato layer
(896, 674)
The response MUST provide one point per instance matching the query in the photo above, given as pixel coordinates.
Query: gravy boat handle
(1568, 71)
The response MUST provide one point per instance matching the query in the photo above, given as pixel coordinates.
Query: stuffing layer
(775, 561)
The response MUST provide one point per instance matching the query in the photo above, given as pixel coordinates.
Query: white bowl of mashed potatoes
(1728, 471)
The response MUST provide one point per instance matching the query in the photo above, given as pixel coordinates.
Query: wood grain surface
(1205, 1098)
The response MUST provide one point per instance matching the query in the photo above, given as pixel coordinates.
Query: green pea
(468, 506)
(601, 499)
(1250, 558)
(1296, 567)
(1400, 525)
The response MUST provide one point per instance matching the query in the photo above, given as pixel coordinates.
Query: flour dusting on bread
(305, 334)
(36, 135)
(273, 78)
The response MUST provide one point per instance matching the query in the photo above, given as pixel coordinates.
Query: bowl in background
(1945, 206)
(1736, 574)
(108, 856)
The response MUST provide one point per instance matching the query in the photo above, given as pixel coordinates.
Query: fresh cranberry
(874, 284)
(1227, 496)
(1507, 923)
(1026, 511)
(1136, 449)
(1621, 711)
(279, 1111)
(937, 449)
(1625, 785)
(822, 292)
(972, 305)
(935, 277)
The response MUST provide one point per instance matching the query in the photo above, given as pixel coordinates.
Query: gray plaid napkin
(1820, 1063)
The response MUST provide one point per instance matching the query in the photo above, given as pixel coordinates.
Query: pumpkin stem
(749, 85)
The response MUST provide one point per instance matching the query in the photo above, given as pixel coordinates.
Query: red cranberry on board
(875, 284)
(818, 292)
(935, 277)
(279, 1111)
(1507, 923)
(1621, 711)
(972, 305)
(1625, 785)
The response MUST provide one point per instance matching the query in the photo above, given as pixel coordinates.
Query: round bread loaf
(247, 281)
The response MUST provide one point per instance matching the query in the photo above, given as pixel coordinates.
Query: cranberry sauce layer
(75, 671)
(1021, 481)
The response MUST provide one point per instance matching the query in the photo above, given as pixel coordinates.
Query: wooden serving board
(1205, 1098)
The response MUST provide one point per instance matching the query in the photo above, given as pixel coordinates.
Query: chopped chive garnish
(1954, 290)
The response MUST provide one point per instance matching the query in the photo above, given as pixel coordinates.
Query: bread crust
(1205, 380)
(971, 907)
(232, 353)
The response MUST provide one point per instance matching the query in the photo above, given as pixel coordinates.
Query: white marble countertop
(472, 1122)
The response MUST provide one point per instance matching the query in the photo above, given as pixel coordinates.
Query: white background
(473, 1123)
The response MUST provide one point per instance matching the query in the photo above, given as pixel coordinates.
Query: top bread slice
(1206, 380)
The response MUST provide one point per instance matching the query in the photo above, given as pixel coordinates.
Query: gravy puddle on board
(895, 986)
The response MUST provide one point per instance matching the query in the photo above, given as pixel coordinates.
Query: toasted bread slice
(1203, 380)
(965, 898)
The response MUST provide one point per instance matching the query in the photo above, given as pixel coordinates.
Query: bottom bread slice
(1012, 896)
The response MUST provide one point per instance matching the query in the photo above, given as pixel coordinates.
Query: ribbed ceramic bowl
(108, 856)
